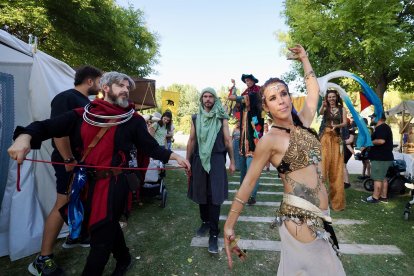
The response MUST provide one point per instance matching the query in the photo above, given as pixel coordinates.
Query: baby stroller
(409, 203)
(395, 179)
(154, 185)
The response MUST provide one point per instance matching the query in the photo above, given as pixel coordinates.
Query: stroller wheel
(368, 184)
(164, 198)
(406, 215)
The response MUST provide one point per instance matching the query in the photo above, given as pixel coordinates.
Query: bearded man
(103, 132)
(207, 146)
(86, 84)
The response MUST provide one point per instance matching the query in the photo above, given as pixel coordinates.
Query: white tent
(406, 110)
(406, 107)
(29, 80)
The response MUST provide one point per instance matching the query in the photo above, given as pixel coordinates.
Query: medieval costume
(208, 184)
(333, 158)
(251, 127)
(301, 207)
(106, 190)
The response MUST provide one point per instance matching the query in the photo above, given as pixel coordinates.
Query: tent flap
(37, 78)
(407, 106)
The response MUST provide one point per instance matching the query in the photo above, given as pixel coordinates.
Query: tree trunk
(380, 89)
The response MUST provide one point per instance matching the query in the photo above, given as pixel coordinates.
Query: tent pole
(145, 96)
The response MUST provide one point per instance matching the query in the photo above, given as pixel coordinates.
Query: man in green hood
(207, 146)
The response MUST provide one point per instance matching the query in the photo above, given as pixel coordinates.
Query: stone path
(359, 249)
(270, 180)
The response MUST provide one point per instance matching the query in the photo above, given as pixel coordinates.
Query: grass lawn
(159, 239)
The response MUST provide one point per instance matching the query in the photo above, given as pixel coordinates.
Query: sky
(209, 42)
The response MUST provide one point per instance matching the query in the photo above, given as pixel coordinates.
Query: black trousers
(105, 240)
(210, 212)
(109, 238)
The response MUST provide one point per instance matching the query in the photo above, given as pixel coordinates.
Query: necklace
(287, 129)
(92, 121)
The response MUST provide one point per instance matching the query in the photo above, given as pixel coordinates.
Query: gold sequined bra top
(304, 149)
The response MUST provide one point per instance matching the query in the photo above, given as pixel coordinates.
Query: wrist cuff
(69, 160)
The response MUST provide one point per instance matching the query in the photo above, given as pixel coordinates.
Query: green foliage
(86, 32)
(373, 38)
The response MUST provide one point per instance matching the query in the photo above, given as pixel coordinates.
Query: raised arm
(323, 107)
(312, 87)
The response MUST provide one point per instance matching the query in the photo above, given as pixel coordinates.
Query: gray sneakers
(213, 244)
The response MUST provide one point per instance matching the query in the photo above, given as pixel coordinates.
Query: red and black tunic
(106, 197)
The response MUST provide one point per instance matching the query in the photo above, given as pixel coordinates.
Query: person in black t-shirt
(86, 84)
(381, 157)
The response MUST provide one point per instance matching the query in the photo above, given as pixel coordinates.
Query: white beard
(122, 102)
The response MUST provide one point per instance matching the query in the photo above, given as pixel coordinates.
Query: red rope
(101, 167)
(92, 166)
(18, 178)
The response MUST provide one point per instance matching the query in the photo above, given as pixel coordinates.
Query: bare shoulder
(275, 140)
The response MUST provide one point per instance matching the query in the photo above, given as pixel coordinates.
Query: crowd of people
(268, 132)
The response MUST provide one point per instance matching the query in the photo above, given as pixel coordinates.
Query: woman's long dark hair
(295, 117)
(167, 114)
(338, 98)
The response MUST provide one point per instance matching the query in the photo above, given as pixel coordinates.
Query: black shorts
(347, 155)
(62, 179)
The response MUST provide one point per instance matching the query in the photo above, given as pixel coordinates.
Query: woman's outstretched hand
(230, 244)
(228, 238)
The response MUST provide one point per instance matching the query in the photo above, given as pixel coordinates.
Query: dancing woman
(334, 118)
(295, 151)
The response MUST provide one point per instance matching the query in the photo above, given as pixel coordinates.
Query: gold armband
(239, 200)
(235, 211)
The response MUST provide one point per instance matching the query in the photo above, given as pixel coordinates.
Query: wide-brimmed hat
(154, 117)
(249, 76)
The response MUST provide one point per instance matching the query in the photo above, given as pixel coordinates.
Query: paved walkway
(354, 167)
(272, 245)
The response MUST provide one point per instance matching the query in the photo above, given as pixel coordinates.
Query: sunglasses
(234, 248)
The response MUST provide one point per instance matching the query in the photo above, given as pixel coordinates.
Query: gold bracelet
(236, 211)
(239, 200)
(309, 75)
